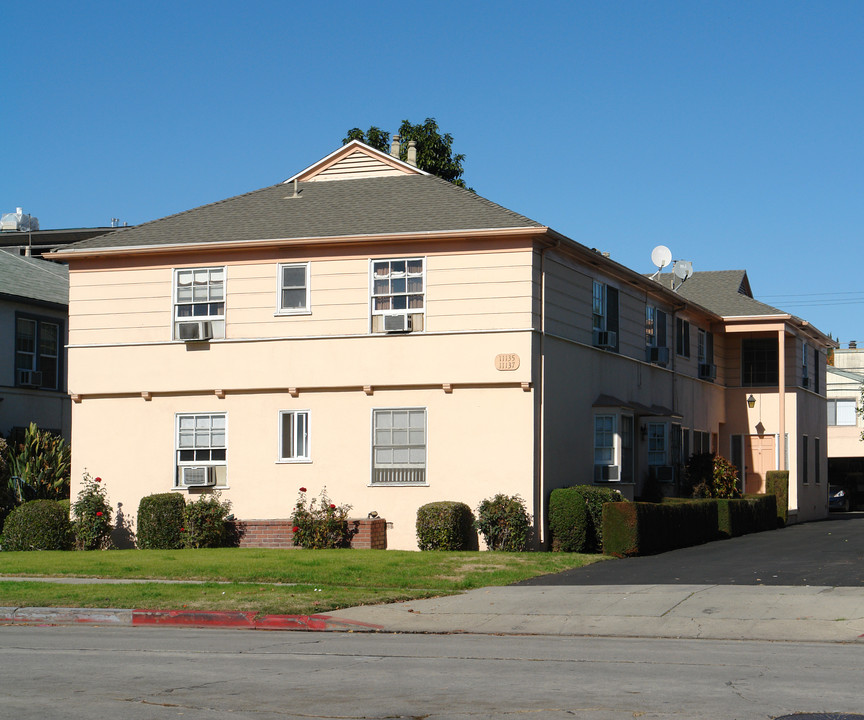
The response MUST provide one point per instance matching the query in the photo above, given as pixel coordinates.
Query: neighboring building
(845, 381)
(370, 328)
(36, 243)
(34, 295)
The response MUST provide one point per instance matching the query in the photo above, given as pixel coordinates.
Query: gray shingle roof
(383, 205)
(724, 292)
(32, 279)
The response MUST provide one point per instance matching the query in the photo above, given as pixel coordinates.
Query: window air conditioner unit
(707, 371)
(658, 355)
(196, 330)
(397, 323)
(664, 473)
(201, 476)
(605, 339)
(30, 378)
(605, 472)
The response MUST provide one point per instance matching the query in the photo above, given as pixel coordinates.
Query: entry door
(760, 457)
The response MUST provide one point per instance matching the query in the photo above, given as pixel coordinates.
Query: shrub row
(167, 522)
(502, 520)
(647, 528)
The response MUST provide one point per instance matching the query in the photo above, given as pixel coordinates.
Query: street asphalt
(802, 583)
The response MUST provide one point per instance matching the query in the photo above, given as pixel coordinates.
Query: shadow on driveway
(828, 553)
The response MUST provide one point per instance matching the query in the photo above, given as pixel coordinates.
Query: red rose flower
(99, 514)
(295, 529)
(332, 506)
(98, 479)
(302, 489)
(182, 529)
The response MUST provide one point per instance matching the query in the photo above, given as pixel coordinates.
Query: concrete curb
(183, 618)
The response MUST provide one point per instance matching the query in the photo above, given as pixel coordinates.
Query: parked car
(839, 498)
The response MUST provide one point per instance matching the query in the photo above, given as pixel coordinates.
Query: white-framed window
(598, 306)
(398, 294)
(604, 439)
(655, 327)
(604, 316)
(37, 352)
(201, 444)
(842, 411)
(805, 364)
(199, 303)
(657, 443)
(701, 346)
(294, 445)
(293, 291)
(399, 446)
(613, 447)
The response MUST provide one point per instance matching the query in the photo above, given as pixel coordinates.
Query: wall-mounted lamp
(751, 402)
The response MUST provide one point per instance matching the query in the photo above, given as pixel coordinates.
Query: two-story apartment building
(370, 328)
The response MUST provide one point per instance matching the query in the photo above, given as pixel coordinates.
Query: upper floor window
(805, 364)
(398, 295)
(655, 327)
(604, 316)
(294, 288)
(842, 412)
(199, 303)
(682, 337)
(759, 357)
(37, 353)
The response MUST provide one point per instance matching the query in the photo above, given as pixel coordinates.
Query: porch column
(781, 395)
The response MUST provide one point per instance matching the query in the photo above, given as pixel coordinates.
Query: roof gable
(353, 161)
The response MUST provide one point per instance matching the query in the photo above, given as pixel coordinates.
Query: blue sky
(731, 132)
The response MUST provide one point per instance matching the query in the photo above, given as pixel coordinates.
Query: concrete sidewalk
(779, 613)
(758, 612)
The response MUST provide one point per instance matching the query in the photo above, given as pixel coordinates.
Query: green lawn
(267, 581)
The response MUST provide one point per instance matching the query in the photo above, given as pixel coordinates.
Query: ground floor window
(657, 442)
(294, 436)
(399, 446)
(201, 449)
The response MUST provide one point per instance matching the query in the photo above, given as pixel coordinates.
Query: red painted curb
(248, 620)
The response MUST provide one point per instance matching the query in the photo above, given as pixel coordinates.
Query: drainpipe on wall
(781, 396)
(540, 500)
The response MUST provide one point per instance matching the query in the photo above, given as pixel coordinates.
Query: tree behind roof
(434, 149)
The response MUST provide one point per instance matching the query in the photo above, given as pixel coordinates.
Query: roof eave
(75, 254)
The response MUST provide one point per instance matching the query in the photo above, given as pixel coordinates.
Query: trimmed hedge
(648, 528)
(39, 525)
(641, 528)
(777, 482)
(446, 525)
(572, 529)
(752, 513)
(161, 521)
(568, 520)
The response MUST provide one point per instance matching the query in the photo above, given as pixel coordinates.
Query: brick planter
(369, 533)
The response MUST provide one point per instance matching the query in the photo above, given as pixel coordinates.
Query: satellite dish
(683, 269)
(661, 256)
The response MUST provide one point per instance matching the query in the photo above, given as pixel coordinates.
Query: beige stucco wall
(129, 379)
(468, 287)
(479, 443)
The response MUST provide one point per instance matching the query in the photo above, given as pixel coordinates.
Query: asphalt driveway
(828, 553)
